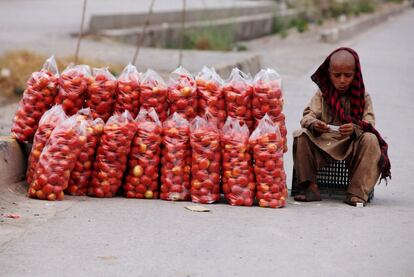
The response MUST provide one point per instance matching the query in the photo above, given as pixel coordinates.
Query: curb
(12, 160)
(250, 65)
(169, 34)
(346, 31)
(100, 22)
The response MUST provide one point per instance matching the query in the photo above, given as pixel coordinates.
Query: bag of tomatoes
(238, 94)
(176, 159)
(58, 159)
(80, 175)
(73, 84)
(128, 91)
(47, 124)
(268, 99)
(210, 95)
(112, 154)
(267, 144)
(280, 122)
(38, 97)
(182, 94)
(144, 159)
(205, 163)
(238, 177)
(153, 94)
(101, 93)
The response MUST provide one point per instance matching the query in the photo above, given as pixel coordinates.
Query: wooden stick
(80, 31)
(206, 9)
(180, 55)
(141, 36)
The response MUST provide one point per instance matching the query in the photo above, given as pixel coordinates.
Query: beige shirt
(333, 143)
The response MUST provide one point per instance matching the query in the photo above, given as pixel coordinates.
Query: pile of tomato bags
(191, 139)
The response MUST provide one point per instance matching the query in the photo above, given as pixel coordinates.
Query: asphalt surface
(120, 237)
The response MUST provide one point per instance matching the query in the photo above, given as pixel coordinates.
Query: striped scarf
(357, 99)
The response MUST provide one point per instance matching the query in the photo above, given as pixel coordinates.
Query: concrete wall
(365, 22)
(121, 21)
(166, 35)
(250, 65)
(165, 27)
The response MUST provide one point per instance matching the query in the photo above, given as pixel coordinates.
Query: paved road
(119, 237)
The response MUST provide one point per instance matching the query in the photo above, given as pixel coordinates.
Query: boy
(338, 124)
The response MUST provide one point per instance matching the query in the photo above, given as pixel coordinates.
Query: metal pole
(80, 31)
(141, 37)
(180, 56)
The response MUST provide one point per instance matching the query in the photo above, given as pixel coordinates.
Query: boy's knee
(299, 143)
(303, 138)
(369, 140)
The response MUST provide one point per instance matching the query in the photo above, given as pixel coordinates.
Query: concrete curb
(12, 161)
(350, 29)
(250, 65)
(99, 22)
(169, 34)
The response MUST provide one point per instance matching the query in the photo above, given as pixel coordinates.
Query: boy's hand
(320, 127)
(346, 129)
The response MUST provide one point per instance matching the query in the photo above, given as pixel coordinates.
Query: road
(120, 237)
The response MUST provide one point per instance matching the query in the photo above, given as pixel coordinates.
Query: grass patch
(300, 23)
(240, 47)
(280, 27)
(364, 6)
(210, 38)
(355, 7)
(21, 64)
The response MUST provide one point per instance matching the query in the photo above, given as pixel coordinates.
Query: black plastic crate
(332, 180)
(334, 177)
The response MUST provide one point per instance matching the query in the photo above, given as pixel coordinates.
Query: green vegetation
(300, 23)
(240, 47)
(319, 21)
(22, 63)
(210, 38)
(279, 27)
(355, 7)
(311, 11)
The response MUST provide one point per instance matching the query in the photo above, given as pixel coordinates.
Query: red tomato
(176, 159)
(41, 89)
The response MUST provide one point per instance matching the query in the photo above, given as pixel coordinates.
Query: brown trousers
(362, 162)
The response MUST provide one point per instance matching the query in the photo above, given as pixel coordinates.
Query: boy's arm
(312, 112)
(368, 115)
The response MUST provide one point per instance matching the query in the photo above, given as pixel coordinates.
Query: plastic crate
(332, 180)
(334, 177)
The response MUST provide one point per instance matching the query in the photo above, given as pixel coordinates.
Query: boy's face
(342, 75)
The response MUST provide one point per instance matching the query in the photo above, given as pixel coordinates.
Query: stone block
(12, 160)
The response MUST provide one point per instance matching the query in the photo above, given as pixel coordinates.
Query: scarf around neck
(356, 94)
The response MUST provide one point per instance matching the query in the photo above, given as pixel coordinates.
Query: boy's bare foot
(353, 200)
(311, 193)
